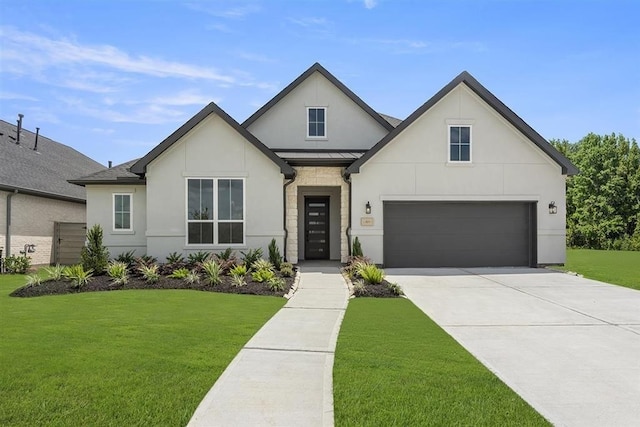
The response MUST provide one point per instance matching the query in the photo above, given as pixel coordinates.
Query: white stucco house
(463, 181)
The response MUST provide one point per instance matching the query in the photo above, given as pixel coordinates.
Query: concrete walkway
(569, 346)
(284, 375)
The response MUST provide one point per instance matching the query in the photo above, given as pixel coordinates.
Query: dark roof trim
(320, 162)
(567, 167)
(320, 69)
(117, 181)
(318, 150)
(42, 194)
(140, 167)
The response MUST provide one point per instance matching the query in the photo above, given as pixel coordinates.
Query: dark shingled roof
(119, 174)
(44, 172)
(568, 168)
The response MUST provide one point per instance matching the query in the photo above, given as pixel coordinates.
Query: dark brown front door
(316, 228)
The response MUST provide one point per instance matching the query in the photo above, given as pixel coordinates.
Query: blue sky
(114, 78)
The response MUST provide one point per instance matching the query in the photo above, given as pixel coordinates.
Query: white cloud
(28, 51)
(308, 22)
(16, 96)
(184, 98)
(370, 4)
(236, 11)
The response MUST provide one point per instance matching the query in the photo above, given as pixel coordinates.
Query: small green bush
(239, 270)
(251, 256)
(175, 258)
(262, 264)
(54, 272)
(263, 275)
(94, 256)
(395, 289)
(149, 273)
(357, 248)
(371, 274)
(118, 271)
(78, 276)
(359, 289)
(286, 269)
(145, 260)
(226, 255)
(33, 280)
(17, 264)
(196, 258)
(129, 258)
(274, 254)
(238, 280)
(354, 264)
(276, 284)
(192, 278)
(211, 270)
(180, 273)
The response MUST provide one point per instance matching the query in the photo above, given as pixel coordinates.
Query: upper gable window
(459, 143)
(316, 122)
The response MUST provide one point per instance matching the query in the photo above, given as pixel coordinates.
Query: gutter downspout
(284, 213)
(7, 236)
(347, 178)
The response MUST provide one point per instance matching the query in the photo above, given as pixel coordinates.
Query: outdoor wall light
(367, 208)
(553, 209)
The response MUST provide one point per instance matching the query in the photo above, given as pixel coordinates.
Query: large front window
(215, 211)
(460, 143)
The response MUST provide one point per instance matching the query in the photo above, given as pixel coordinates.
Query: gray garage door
(459, 234)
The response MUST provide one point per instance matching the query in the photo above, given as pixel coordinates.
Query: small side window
(459, 143)
(122, 212)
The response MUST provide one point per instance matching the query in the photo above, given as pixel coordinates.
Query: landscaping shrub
(192, 277)
(276, 284)
(118, 271)
(251, 256)
(17, 264)
(128, 258)
(263, 275)
(197, 258)
(149, 273)
(238, 279)
(371, 274)
(94, 255)
(180, 273)
(274, 254)
(212, 272)
(226, 255)
(395, 289)
(227, 260)
(145, 260)
(262, 264)
(77, 275)
(354, 264)
(239, 270)
(54, 272)
(359, 289)
(356, 249)
(286, 269)
(33, 280)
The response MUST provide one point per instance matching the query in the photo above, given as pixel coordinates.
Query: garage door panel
(457, 234)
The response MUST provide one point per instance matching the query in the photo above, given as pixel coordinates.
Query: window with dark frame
(460, 143)
(215, 211)
(316, 119)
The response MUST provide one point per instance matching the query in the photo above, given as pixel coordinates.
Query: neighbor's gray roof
(393, 121)
(118, 174)
(44, 172)
(568, 168)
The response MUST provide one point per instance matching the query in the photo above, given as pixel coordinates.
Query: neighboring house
(35, 195)
(462, 181)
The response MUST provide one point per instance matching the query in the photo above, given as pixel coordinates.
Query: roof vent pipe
(20, 116)
(35, 146)
(110, 164)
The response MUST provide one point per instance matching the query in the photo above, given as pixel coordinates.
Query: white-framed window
(122, 212)
(215, 211)
(459, 143)
(317, 122)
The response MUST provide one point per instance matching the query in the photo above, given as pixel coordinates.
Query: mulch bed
(380, 290)
(104, 283)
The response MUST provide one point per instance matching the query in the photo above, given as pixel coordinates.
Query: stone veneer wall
(316, 176)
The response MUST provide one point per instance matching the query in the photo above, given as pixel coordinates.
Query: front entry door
(316, 228)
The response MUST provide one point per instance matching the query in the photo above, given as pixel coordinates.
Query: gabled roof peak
(317, 67)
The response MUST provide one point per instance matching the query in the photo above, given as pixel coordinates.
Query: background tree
(603, 201)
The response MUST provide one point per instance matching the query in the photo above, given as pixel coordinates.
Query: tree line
(603, 200)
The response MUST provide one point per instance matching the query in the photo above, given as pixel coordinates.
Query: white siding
(348, 125)
(100, 211)
(212, 149)
(505, 166)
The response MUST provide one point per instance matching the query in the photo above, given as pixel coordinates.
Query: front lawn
(139, 357)
(617, 267)
(395, 367)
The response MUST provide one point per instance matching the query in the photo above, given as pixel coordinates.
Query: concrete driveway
(568, 345)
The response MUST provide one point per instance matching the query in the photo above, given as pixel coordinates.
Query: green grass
(123, 358)
(617, 267)
(395, 367)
